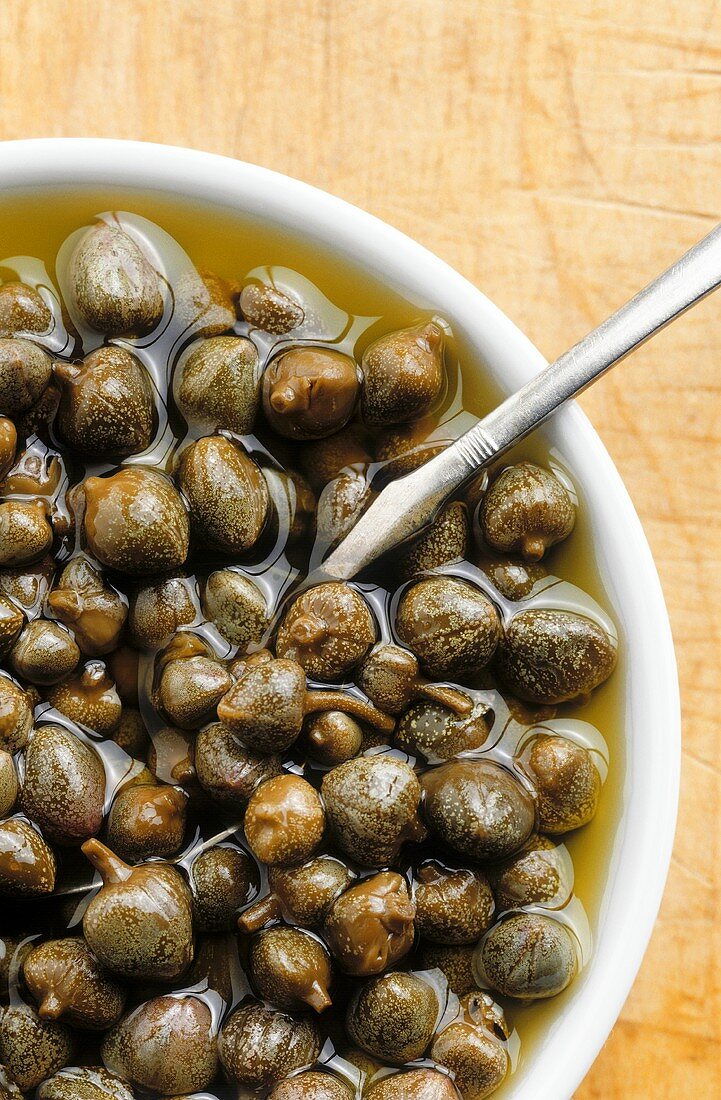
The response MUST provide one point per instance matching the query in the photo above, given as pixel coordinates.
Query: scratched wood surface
(558, 154)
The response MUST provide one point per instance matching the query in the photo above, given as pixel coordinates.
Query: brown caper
(445, 541)
(391, 679)
(131, 733)
(453, 905)
(552, 656)
(12, 621)
(22, 309)
(219, 384)
(372, 806)
(513, 578)
(472, 1047)
(26, 585)
(269, 309)
(63, 786)
(340, 505)
(452, 627)
(9, 784)
(159, 608)
(107, 407)
(83, 601)
(371, 927)
(8, 444)
(322, 460)
(171, 757)
(32, 1049)
(227, 769)
(44, 653)
(205, 303)
(25, 371)
(478, 808)
(226, 492)
(84, 1083)
(66, 981)
(416, 1084)
(285, 821)
(333, 737)
(140, 924)
(301, 895)
(526, 510)
(25, 533)
(16, 715)
(147, 821)
(223, 880)
(260, 1046)
(89, 699)
(312, 1085)
(37, 471)
(328, 630)
(567, 783)
(113, 285)
(455, 961)
(27, 862)
(135, 521)
(190, 690)
(534, 876)
(166, 1045)
(437, 733)
(237, 606)
(403, 375)
(393, 1017)
(291, 969)
(528, 956)
(310, 392)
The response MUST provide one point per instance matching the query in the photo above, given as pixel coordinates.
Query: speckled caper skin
(445, 541)
(12, 621)
(25, 371)
(25, 532)
(284, 821)
(22, 309)
(219, 384)
(290, 968)
(306, 892)
(372, 807)
(434, 732)
(417, 1084)
(393, 1017)
(452, 627)
(32, 1049)
(9, 784)
(44, 653)
(454, 961)
(472, 1050)
(223, 880)
(88, 698)
(131, 733)
(84, 1083)
(135, 521)
(340, 505)
(107, 407)
(260, 1046)
(553, 656)
(227, 769)
(237, 606)
(226, 492)
(205, 303)
(147, 821)
(453, 905)
(166, 1045)
(66, 983)
(94, 611)
(190, 690)
(64, 785)
(312, 1085)
(528, 956)
(266, 705)
(526, 510)
(370, 927)
(270, 309)
(532, 877)
(310, 392)
(478, 808)
(404, 447)
(328, 631)
(403, 375)
(27, 862)
(159, 608)
(8, 444)
(114, 287)
(567, 782)
(333, 737)
(513, 578)
(16, 715)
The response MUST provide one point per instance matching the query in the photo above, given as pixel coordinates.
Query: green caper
(219, 384)
(67, 982)
(416, 1084)
(260, 1046)
(452, 627)
(22, 309)
(403, 375)
(534, 876)
(12, 621)
(83, 601)
(328, 630)
(393, 1017)
(159, 608)
(300, 895)
(237, 606)
(270, 309)
(64, 785)
(333, 737)
(44, 653)
(455, 961)
(567, 782)
(223, 880)
(8, 444)
(9, 784)
(147, 821)
(370, 926)
(472, 1047)
(340, 505)
(513, 578)
(311, 1085)
(25, 371)
(131, 733)
(84, 1083)
(25, 533)
(437, 733)
(284, 821)
(528, 956)
(404, 447)
(526, 510)
(290, 968)
(227, 769)
(205, 303)
(453, 905)
(191, 688)
(226, 492)
(445, 541)
(114, 287)
(32, 1049)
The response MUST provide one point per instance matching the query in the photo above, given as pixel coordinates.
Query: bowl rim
(642, 852)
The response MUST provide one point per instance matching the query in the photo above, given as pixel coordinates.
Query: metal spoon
(409, 503)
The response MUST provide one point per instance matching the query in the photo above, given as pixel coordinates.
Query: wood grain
(557, 154)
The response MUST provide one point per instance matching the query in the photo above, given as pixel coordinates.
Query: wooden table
(558, 153)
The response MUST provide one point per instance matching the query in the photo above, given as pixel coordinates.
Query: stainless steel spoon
(409, 503)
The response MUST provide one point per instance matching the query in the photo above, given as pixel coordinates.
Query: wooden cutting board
(558, 153)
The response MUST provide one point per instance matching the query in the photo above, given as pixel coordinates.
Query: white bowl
(644, 836)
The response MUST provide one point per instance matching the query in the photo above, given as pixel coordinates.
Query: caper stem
(262, 912)
(111, 867)
(338, 700)
(457, 701)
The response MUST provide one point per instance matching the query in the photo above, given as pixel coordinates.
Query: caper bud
(333, 737)
(227, 769)
(131, 733)
(453, 905)
(372, 807)
(25, 533)
(16, 715)
(403, 375)
(190, 690)
(227, 494)
(140, 924)
(290, 968)
(22, 310)
(452, 627)
(391, 679)
(8, 444)
(310, 392)
(513, 578)
(535, 876)
(8, 783)
(472, 1048)
(84, 1083)
(270, 309)
(107, 407)
(567, 782)
(437, 733)
(64, 785)
(528, 956)
(370, 927)
(95, 611)
(237, 607)
(223, 880)
(340, 505)
(216, 966)
(312, 1085)
(114, 287)
(66, 981)
(89, 699)
(284, 822)
(25, 371)
(166, 1045)
(37, 472)
(171, 757)
(416, 1084)
(455, 961)
(32, 1049)
(44, 653)
(445, 541)
(526, 510)
(260, 1046)
(12, 621)
(147, 821)
(393, 1017)
(300, 503)
(205, 303)
(300, 895)
(219, 384)
(328, 630)
(478, 808)
(159, 608)
(27, 863)
(552, 656)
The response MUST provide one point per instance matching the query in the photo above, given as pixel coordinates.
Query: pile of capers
(284, 801)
